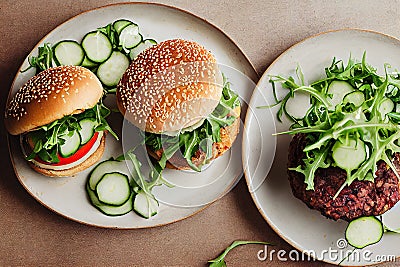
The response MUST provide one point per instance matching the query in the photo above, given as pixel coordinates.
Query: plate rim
(245, 171)
(186, 12)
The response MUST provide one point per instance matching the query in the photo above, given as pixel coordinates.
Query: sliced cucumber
(88, 63)
(111, 71)
(337, 90)
(364, 231)
(68, 52)
(294, 109)
(97, 46)
(120, 24)
(130, 36)
(113, 189)
(109, 209)
(87, 129)
(349, 154)
(71, 144)
(356, 98)
(107, 166)
(145, 205)
(141, 47)
(385, 107)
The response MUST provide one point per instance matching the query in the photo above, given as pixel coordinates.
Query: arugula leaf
(311, 164)
(48, 138)
(144, 185)
(220, 260)
(323, 126)
(43, 60)
(201, 137)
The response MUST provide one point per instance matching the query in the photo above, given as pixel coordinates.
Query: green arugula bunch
(200, 138)
(44, 59)
(48, 138)
(324, 124)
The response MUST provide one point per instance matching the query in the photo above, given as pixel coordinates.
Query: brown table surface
(32, 235)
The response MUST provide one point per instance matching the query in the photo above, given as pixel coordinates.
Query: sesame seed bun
(170, 86)
(94, 158)
(51, 95)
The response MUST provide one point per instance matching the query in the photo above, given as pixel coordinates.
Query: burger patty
(177, 161)
(360, 198)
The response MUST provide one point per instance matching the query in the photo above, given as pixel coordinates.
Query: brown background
(31, 235)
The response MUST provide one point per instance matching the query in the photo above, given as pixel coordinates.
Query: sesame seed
(156, 82)
(41, 87)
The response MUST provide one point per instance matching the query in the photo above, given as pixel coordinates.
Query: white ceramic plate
(67, 196)
(306, 229)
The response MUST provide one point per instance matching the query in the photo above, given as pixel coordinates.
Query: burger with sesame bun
(175, 93)
(60, 118)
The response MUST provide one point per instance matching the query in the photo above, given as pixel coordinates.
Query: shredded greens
(200, 138)
(44, 59)
(48, 138)
(374, 121)
(142, 184)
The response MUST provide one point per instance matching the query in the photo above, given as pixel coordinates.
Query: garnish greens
(117, 35)
(365, 120)
(48, 138)
(200, 138)
(44, 59)
(220, 260)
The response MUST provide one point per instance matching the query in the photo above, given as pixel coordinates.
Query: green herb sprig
(43, 60)
(202, 137)
(220, 260)
(48, 138)
(324, 123)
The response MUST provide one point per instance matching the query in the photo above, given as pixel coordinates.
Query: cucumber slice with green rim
(120, 24)
(364, 231)
(295, 110)
(356, 98)
(113, 189)
(97, 46)
(106, 167)
(130, 36)
(145, 205)
(88, 63)
(109, 209)
(87, 129)
(68, 52)
(111, 71)
(349, 154)
(337, 90)
(385, 107)
(141, 47)
(71, 144)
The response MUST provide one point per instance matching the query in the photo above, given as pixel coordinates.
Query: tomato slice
(80, 153)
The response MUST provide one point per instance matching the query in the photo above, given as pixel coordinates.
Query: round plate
(305, 229)
(67, 196)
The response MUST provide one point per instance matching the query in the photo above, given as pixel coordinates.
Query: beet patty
(361, 198)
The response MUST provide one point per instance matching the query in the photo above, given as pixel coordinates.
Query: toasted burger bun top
(51, 95)
(170, 86)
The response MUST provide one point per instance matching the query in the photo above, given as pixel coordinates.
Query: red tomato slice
(80, 153)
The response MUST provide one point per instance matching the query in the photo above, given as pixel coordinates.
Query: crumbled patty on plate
(361, 198)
